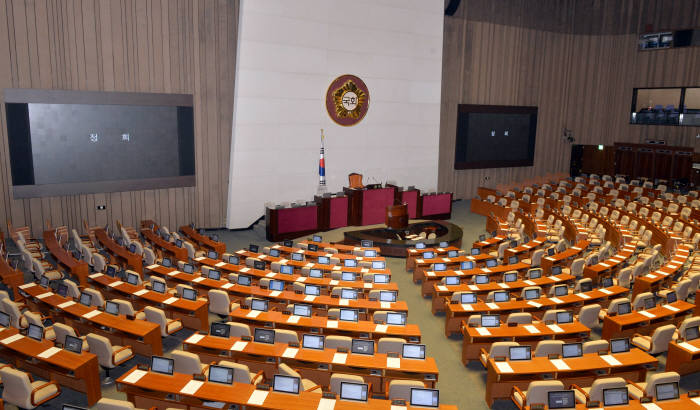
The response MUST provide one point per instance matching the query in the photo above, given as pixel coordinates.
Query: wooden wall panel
(162, 46)
(579, 81)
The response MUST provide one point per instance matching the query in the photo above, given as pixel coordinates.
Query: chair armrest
(576, 387)
(517, 390)
(484, 352)
(637, 335)
(260, 374)
(635, 385)
(114, 353)
(318, 386)
(58, 391)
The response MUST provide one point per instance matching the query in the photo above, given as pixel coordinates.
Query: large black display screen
(493, 136)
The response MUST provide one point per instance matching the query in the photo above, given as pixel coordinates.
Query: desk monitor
(439, 267)
(565, 317)
(387, 296)
(317, 238)
(62, 290)
(616, 396)
(593, 260)
(324, 260)
(71, 407)
(649, 303)
(467, 298)
(220, 374)
(425, 397)
(111, 271)
(381, 278)
(285, 384)
(264, 335)
(490, 320)
(370, 253)
(624, 308)
(158, 286)
(534, 273)
(296, 256)
(491, 263)
(667, 391)
(214, 274)
(166, 262)
(244, 280)
(258, 304)
(551, 251)
(44, 281)
(275, 284)
(313, 290)
(35, 332)
(413, 351)
(112, 308)
(259, 265)
(513, 244)
(162, 365)
(619, 345)
(353, 391)
(428, 255)
(444, 244)
(189, 294)
(212, 255)
(348, 315)
(85, 299)
(234, 259)
(671, 297)
(691, 333)
(512, 260)
(288, 243)
(302, 310)
(466, 265)
(501, 296)
(451, 280)
(348, 276)
(73, 344)
(253, 248)
(586, 286)
(315, 273)
(420, 245)
(5, 320)
(396, 318)
(481, 279)
(220, 329)
(313, 341)
(366, 243)
(132, 279)
(519, 353)
(482, 237)
(510, 276)
(350, 263)
(188, 268)
(312, 247)
(475, 251)
(571, 350)
(378, 265)
(452, 254)
(361, 346)
(561, 290)
(556, 270)
(132, 248)
(531, 294)
(275, 253)
(561, 399)
(606, 282)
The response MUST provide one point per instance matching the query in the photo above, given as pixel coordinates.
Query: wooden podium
(397, 216)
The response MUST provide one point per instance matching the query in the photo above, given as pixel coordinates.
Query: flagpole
(321, 169)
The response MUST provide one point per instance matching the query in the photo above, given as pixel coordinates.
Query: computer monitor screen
(451, 280)
(561, 399)
(244, 280)
(381, 278)
(302, 310)
(234, 260)
(288, 243)
(481, 279)
(166, 262)
(466, 265)
(691, 333)
(619, 345)
(571, 350)
(370, 253)
(312, 342)
(443, 244)
(482, 237)
(428, 255)
(361, 346)
(550, 251)
(35, 332)
(220, 329)
(285, 384)
(187, 268)
(561, 290)
(425, 397)
(259, 265)
(62, 290)
(531, 294)
(85, 299)
(535, 273)
(366, 243)
(275, 253)
(353, 391)
(413, 351)
(396, 318)
(264, 335)
(420, 245)
(44, 281)
(112, 308)
(624, 308)
(317, 238)
(324, 260)
(111, 271)
(214, 274)
(565, 317)
(519, 353)
(253, 248)
(212, 255)
(649, 303)
(467, 298)
(277, 285)
(158, 286)
(593, 260)
(4, 319)
(513, 260)
(73, 344)
(350, 263)
(387, 296)
(378, 264)
(616, 396)
(501, 296)
(556, 270)
(220, 374)
(491, 263)
(71, 407)
(490, 321)
(315, 273)
(132, 279)
(667, 391)
(452, 254)
(348, 315)
(258, 304)
(348, 276)
(178, 243)
(132, 248)
(189, 294)
(510, 277)
(586, 286)
(606, 282)
(671, 297)
(439, 267)
(296, 256)
(312, 247)
(475, 251)
(162, 365)
(312, 290)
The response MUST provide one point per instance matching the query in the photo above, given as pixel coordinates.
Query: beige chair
(638, 302)
(97, 300)
(546, 347)
(112, 404)
(497, 349)
(595, 392)
(551, 315)
(536, 393)
(638, 390)
(536, 258)
(588, 315)
(401, 389)
(337, 378)
(612, 307)
(12, 309)
(595, 346)
(167, 326)
(390, 345)
(519, 318)
(687, 323)
(23, 392)
(286, 336)
(127, 309)
(657, 342)
(307, 384)
(73, 291)
(108, 356)
(61, 330)
(98, 262)
(335, 342)
(576, 268)
(188, 363)
(34, 318)
(238, 329)
(241, 373)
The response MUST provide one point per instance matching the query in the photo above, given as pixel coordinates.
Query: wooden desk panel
(203, 240)
(167, 247)
(12, 278)
(64, 258)
(431, 278)
(561, 257)
(636, 322)
(682, 358)
(413, 253)
(133, 261)
(654, 280)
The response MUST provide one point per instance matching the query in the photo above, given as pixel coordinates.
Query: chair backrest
(688, 322)
(638, 301)
(98, 262)
(577, 287)
(519, 317)
(102, 347)
(547, 347)
(595, 346)
(624, 277)
(186, 362)
(682, 289)
(355, 180)
(112, 404)
(537, 257)
(97, 300)
(596, 392)
(219, 302)
(401, 389)
(33, 318)
(149, 256)
(659, 378)
(537, 391)
(390, 345)
(577, 266)
(10, 307)
(17, 387)
(238, 329)
(157, 316)
(660, 338)
(286, 336)
(588, 315)
(334, 342)
(337, 378)
(551, 314)
(501, 349)
(61, 331)
(285, 370)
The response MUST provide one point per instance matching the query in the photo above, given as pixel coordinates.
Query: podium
(397, 216)
(367, 206)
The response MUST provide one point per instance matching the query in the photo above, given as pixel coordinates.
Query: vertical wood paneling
(164, 46)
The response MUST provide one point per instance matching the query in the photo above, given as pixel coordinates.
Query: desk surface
(156, 240)
(133, 260)
(218, 247)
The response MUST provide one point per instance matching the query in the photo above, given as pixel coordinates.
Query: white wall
(289, 52)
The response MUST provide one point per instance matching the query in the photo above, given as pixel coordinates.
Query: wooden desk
(12, 278)
(132, 260)
(332, 212)
(203, 240)
(373, 368)
(167, 247)
(194, 314)
(525, 249)
(683, 358)
(561, 257)
(368, 206)
(413, 253)
(431, 278)
(636, 322)
(342, 248)
(531, 334)
(291, 222)
(683, 403)
(582, 371)
(654, 280)
(143, 336)
(279, 320)
(608, 266)
(65, 259)
(76, 371)
(153, 389)
(423, 265)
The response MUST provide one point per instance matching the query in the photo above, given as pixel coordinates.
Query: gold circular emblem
(347, 100)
